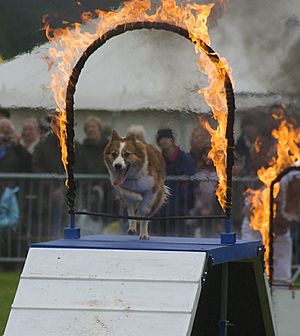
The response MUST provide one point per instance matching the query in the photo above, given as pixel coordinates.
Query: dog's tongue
(119, 178)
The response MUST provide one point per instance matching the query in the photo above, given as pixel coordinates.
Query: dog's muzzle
(120, 174)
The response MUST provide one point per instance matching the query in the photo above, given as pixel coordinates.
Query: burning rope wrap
(72, 87)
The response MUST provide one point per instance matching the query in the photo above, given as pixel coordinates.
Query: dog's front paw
(144, 237)
(131, 232)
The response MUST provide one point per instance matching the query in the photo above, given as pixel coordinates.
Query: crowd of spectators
(255, 145)
(37, 150)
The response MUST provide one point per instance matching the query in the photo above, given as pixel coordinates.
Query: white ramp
(286, 304)
(94, 292)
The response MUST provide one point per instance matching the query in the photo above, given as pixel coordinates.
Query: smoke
(288, 77)
(261, 40)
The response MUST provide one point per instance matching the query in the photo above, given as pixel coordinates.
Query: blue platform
(220, 253)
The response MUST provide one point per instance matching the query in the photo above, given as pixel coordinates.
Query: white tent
(142, 69)
(157, 70)
(136, 70)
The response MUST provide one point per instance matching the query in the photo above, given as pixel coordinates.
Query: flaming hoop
(271, 220)
(262, 200)
(72, 87)
(74, 47)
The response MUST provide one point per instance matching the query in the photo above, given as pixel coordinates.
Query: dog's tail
(167, 193)
(161, 199)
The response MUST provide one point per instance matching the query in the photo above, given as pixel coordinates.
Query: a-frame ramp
(116, 286)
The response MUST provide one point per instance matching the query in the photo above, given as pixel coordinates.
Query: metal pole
(228, 224)
(72, 220)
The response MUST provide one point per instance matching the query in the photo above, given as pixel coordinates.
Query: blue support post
(72, 232)
(228, 237)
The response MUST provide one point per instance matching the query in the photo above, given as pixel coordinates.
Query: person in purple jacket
(178, 163)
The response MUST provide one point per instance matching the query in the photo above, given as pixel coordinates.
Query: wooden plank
(115, 264)
(90, 323)
(110, 295)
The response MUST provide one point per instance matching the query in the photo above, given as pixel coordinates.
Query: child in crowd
(9, 208)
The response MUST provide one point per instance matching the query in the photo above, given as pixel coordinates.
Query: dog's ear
(131, 137)
(115, 136)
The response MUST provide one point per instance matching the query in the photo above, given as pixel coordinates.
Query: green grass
(8, 285)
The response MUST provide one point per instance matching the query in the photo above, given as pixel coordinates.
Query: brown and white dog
(137, 172)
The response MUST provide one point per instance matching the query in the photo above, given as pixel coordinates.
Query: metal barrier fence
(43, 211)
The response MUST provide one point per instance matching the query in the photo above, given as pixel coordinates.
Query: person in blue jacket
(9, 208)
(178, 163)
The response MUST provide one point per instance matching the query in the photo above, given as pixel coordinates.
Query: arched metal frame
(271, 219)
(71, 192)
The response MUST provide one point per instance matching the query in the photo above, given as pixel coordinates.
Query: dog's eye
(114, 154)
(126, 154)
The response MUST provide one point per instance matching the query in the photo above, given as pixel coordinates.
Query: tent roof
(141, 69)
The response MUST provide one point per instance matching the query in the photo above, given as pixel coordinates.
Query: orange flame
(257, 144)
(287, 153)
(69, 44)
